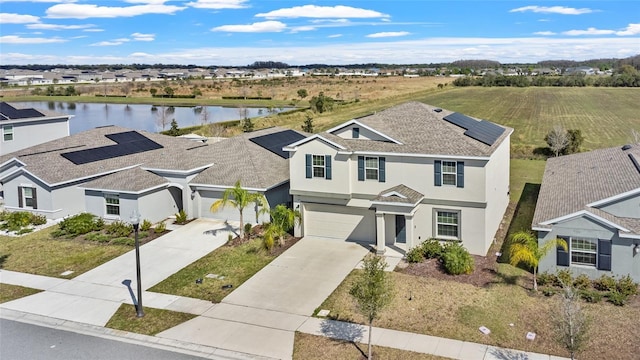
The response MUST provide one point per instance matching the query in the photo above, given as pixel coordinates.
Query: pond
(143, 117)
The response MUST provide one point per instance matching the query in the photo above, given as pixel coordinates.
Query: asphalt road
(30, 342)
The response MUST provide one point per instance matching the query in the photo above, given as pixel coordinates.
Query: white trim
(292, 147)
(113, 191)
(374, 153)
(628, 236)
(12, 159)
(537, 228)
(23, 170)
(394, 193)
(356, 122)
(587, 214)
(37, 119)
(32, 210)
(177, 172)
(394, 204)
(614, 198)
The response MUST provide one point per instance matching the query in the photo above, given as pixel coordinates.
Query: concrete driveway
(300, 279)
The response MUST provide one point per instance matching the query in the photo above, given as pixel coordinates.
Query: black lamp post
(135, 221)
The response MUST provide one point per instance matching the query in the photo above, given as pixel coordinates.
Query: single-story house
(592, 200)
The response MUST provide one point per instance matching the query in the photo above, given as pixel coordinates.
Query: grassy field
(454, 310)
(153, 322)
(39, 253)
(12, 292)
(311, 347)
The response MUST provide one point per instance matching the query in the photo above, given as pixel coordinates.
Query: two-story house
(401, 176)
(592, 201)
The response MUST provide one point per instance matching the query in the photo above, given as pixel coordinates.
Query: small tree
(169, 91)
(174, 130)
(153, 92)
(571, 324)
(557, 139)
(239, 198)
(321, 103)
(283, 219)
(308, 124)
(575, 141)
(247, 125)
(302, 93)
(524, 249)
(372, 290)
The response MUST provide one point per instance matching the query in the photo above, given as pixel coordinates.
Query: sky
(240, 32)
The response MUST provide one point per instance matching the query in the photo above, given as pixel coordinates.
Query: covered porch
(395, 213)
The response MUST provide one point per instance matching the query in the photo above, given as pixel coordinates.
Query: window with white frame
(28, 196)
(449, 176)
(448, 224)
(584, 251)
(7, 132)
(318, 166)
(371, 168)
(112, 202)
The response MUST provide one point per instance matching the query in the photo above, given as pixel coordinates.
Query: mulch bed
(258, 231)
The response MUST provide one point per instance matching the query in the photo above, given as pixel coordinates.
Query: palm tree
(239, 198)
(283, 219)
(524, 249)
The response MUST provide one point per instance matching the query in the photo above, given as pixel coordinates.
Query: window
(7, 132)
(449, 173)
(584, 251)
(371, 168)
(355, 133)
(318, 166)
(447, 224)
(113, 204)
(27, 194)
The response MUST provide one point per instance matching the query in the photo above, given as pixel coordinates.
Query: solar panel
(485, 131)
(461, 120)
(10, 112)
(276, 141)
(128, 143)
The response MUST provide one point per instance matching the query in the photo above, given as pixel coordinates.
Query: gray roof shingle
(408, 195)
(130, 180)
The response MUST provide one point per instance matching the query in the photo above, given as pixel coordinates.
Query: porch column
(408, 225)
(380, 229)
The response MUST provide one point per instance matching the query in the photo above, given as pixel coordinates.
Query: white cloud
(334, 36)
(388, 34)
(314, 11)
(259, 27)
(589, 31)
(13, 39)
(58, 27)
(9, 18)
(42, 1)
(632, 29)
(115, 42)
(296, 29)
(85, 11)
(563, 10)
(218, 4)
(143, 37)
(93, 30)
(544, 33)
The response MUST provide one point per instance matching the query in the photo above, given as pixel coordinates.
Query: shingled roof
(572, 182)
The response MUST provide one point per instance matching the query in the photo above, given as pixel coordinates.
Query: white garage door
(339, 222)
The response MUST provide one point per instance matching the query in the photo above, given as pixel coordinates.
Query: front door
(401, 230)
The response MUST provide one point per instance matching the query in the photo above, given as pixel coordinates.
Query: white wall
(30, 133)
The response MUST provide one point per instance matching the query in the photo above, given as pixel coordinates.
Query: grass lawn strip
(235, 263)
(38, 253)
(312, 347)
(454, 310)
(153, 322)
(12, 292)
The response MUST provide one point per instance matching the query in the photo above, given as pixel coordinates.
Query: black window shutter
(360, 168)
(381, 169)
(20, 204)
(604, 254)
(355, 132)
(460, 173)
(308, 167)
(327, 167)
(437, 173)
(562, 256)
(35, 199)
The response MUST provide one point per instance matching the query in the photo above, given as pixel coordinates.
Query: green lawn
(236, 264)
(39, 253)
(153, 322)
(12, 292)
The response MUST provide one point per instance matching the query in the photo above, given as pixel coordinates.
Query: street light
(135, 221)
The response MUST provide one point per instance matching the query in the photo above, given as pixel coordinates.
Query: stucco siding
(497, 188)
(626, 207)
(208, 197)
(157, 205)
(30, 133)
(69, 199)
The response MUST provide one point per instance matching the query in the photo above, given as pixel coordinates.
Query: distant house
(592, 200)
(22, 128)
(402, 176)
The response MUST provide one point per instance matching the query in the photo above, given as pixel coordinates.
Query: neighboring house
(22, 128)
(592, 200)
(401, 176)
(111, 171)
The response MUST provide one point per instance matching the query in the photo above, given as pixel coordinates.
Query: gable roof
(134, 180)
(9, 112)
(399, 194)
(420, 129)
(572, 183)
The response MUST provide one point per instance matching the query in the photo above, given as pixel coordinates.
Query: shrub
(591, 296)
(547, 278)
(457, 260)
(123, 241)
(24, 231)
(160, 228)
(549, 291)
(119, 229)
(247, 230)
(415, 255)
(14, 221)
(617, 298)
(565, 277)
(146, 225)
(267, 241)
(79, 225)
(181, 217)
(431, 249)
(99, 237)
(143, 234)
(582, 282)
(626, 286)
(38, 219)
(605, 283)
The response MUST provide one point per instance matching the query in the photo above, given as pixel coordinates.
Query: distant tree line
(268, 65)
(616, 80)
